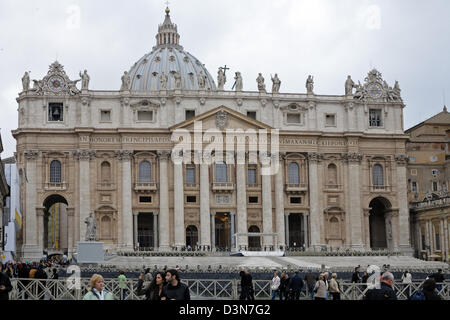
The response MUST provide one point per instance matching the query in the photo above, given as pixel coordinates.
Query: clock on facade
(55, 83)
(374, 90)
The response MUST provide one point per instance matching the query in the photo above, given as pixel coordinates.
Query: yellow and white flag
(18, 218)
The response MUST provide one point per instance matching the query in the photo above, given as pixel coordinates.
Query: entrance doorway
(296, 237)
(222, 228)
(56, 228)
(145, 230)
(377, 222)
(254, 243)
(191, 236)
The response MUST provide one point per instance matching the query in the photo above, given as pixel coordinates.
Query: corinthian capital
(401, 159)
(315, 157)
(124, 155)
(31, 154)
(164, 154)
(84, 155)
(352, 157)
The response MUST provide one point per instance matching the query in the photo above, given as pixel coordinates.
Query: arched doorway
(56, 224)
(380, 224)
(254, 243)
(191, 236)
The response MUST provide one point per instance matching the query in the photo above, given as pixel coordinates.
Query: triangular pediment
(222, 118)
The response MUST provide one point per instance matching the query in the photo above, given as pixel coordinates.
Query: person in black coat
(41, 274)
(385, 292)
(175, 290)
(247, 292)
(429, 290)
(153, 291)
(438, 278)
(283, 286)
(23, 273)
(5, 286)
(288, 288)
(355, 276)
(296, 286)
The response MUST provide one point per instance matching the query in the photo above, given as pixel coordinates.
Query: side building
(428, 182)
(4, 192)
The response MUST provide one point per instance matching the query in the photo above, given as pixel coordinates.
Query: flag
(18, 218)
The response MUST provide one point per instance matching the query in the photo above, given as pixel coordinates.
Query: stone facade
(111, 153)
(428, 181)
(4, 192)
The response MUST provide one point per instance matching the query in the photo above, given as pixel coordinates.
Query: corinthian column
(127, 214)
(205, 222)
(354, 190)
(279, 204)
(241, 199)
(402, 196)
(267, 205)
(178, 189)
(315, 214)
(30, 249)
(84, 157)
(164, 229)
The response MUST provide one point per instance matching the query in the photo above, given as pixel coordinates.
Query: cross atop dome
(167, 32)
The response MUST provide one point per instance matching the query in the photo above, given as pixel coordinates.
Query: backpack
(419, 295)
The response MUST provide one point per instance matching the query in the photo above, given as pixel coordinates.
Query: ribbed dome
(169, 57)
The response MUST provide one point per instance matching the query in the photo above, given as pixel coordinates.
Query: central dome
(168, 57)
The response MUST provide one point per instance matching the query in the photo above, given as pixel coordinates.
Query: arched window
(221, 172)
(191, 236)
(332, 174)
(106, 228)
(378, 179)
(334, 228)
(106, 172)
(55, 171)
(145, 172)
(294, 173)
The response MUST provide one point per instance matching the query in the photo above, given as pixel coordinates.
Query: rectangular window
(413, 171)
(435, 186)
(190, 175)
(105, 116)
(191, 199)
(145, 115)
(296, 200)
(293, 118)
(375, 118)
(145, 199)
(251, 114)
(252, 199)
(251, 176)
(414, 186)
(330, 120)
(55, 112)
(190, 114)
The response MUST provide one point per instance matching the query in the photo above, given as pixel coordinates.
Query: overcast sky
(406, 40)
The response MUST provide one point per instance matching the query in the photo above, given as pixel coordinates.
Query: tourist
(310, 279)
(55, 277)
(365, 277)
(355, 277)
(288, 288)
(282, 287)
(5, 284)
(122, 279)
(247, 292)
(325, 279)
(297, 286)
(429, 290)
(154, 290)
(406, 282)
(334, 287)
(97, 291)
(320, 289)
(438, 278)
(276, 286)
(174, 290)
(385, 292)
(41, 274)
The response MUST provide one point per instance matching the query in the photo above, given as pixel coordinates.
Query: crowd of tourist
(166, 284)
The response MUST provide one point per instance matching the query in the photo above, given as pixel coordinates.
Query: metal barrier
(39, 289)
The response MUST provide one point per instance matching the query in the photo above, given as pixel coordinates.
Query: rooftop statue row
(56, 81)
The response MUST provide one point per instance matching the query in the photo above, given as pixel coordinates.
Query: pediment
(222, 118)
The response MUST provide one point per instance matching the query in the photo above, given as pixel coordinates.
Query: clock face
(56, 83)
(374, 91)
